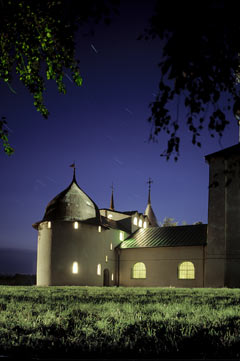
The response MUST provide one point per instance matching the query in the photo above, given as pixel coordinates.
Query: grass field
(119, 322)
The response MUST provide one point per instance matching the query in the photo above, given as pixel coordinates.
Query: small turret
(149, 211)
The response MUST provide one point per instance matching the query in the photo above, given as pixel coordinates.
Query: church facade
(80, 244)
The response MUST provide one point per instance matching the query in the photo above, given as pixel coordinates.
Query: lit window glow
(139, 270)
(112, 277)
(99, 229)
(75, 225)
(121, 236)
(110, 216)
(135, 221)
(49, 225)
(140, 223)
(111, 246)
(186, 271)
(106, 258)
(75, 267)
(145, 224)
(99, 269)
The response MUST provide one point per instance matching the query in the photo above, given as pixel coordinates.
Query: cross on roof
(149, 182)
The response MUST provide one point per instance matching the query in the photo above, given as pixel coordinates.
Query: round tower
(69, 240)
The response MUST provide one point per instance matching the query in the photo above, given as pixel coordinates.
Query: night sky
(103, 127)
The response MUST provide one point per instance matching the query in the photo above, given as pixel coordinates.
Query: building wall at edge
(161, 266)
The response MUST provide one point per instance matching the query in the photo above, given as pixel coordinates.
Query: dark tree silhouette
(37, 44)
(200, 63)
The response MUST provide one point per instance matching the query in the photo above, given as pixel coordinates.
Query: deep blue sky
(103, 127)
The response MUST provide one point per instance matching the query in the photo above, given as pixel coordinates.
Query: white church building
(81, 244)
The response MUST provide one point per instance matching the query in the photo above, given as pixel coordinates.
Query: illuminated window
(112, 278)
(49, 225)
(106, 258)
(121, 236)
(99, 229)
(75, 267)
(145, 224)
(75, 225)
(139, 270)
(186, 271)
(135, 221)
(110, 216)
(99, 269)
(111, 246)
(140, 223)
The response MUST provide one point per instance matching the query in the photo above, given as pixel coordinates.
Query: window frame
(187, 271)
(133, 276)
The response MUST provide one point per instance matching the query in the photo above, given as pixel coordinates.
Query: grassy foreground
(119, 322)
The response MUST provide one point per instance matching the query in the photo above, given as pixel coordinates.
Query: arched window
(75, 267)
(139, 270)
(75, 225)
(186, 271)
(99, 269)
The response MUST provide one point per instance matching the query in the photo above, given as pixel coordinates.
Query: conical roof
(72, 204)
(151, 216)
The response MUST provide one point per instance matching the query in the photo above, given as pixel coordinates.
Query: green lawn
(132, 322)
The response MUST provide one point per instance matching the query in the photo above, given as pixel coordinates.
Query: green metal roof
(195, 235)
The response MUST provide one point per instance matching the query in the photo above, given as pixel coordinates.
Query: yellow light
(145, 224)
(135, 221)
(99, 229)
(111, 246)
(140, 223)
(49, 225)
(106, 258)
(121, 236)
(110, 216)
(139, 270)
(76, 225)
(99, 269)
(112, 277)
(186, 271)
(75, 267)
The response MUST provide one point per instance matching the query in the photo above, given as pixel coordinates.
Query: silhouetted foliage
(169, 222)
(37, 44)
(200, 63)
(17, 280)
(200, 60)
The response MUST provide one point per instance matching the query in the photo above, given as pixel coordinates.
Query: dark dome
(72, 205)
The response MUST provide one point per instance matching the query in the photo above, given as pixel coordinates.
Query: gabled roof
(110, 223)
(194, 235)
(235, 149)
(128, 213)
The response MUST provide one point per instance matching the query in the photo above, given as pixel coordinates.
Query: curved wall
(62, 245)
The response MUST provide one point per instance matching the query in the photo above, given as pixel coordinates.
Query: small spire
(150, 181)
(112, 200)
(149, 211)
(74, 173)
